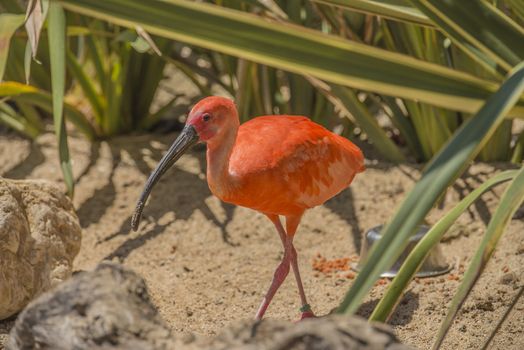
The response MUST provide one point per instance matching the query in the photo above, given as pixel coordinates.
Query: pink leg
(305, 309)
(280, 275)
(290, 257)
(291, 226)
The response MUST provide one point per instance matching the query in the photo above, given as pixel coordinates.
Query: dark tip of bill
(135, 220)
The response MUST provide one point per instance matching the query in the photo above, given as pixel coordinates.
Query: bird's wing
(293, 158)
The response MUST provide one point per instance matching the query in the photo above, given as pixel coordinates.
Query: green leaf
(404, 125)
(478, 25)
(140, 45)
(137, 42)
(509, 203)
(72, 30)
(115, 84)
(347, 101)
(368, 124)
(96, 53)
(443, 169)
(9, 23)
(31, 115)
(518, 151)
(12, 6)
(393, 9)
(517, 6)
(27, 62)
(296, 49)
(27, 94)
(419, 253)
(243, 93)
(96, 101)
(497, 148)
(13, 88)
(43, 100)
(16, 121)
(57, 52)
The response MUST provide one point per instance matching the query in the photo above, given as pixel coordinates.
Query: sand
(208, 263)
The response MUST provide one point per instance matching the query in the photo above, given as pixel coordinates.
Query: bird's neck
(218, 155)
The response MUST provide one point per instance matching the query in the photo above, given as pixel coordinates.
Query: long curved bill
(186, 139)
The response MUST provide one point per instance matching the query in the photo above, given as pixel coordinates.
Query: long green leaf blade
(480, 25)
(9, 23)
(444, 168)
(397, 10)
(419, 253)
(296, 49)
(57, 50)
(509, 203)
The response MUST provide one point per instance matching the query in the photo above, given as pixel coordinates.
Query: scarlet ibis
(278, 165)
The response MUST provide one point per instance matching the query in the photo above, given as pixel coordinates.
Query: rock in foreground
(110, 308)
(39, 238)
(333, 332)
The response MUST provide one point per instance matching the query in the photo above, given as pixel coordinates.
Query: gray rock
(39, 238)
(333, 332)
(108, 308)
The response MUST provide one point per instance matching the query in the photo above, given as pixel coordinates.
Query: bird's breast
(225, 186)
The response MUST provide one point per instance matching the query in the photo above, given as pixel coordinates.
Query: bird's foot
(306, 312)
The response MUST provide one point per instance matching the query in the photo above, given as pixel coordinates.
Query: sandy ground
(207, 263)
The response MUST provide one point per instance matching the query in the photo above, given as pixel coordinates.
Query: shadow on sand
(403, 312)
(178, 191)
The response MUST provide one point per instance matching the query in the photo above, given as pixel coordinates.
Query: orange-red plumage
(284, 165)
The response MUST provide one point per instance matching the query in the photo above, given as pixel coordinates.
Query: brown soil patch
(208, 263)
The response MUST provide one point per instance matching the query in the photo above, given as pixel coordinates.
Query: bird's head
(209, 120)
(212, 117)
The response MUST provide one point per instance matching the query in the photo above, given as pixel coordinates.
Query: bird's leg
(279, 276)
(291, 227)
(290, 255)
(305, 309)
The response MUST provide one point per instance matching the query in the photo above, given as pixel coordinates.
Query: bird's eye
(206, 117)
